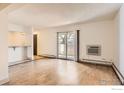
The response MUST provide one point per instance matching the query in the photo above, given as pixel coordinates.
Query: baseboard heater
(118, 73)
(48, 56)
(96, 62)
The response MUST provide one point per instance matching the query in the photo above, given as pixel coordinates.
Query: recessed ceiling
(51, 15)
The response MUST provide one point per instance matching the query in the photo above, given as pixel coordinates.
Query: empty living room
(62, 44)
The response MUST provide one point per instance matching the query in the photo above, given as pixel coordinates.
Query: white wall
(116, 27)
(15, 27)
(3, 48)
(95, 33)
(47, 42)
(99, 33)
(119, 22)
(29, 39)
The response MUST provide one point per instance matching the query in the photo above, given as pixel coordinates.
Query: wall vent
(94, 50)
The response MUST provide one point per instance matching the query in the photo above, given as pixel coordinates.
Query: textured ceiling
(51, 15)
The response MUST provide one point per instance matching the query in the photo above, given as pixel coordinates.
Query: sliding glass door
(66, 45)
(70, 45)
(62, 45)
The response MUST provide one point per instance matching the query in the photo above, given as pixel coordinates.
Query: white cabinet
(18, 54)
(19, 46)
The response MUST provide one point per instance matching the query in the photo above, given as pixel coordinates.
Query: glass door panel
(62, 45)
(70, 45)
(66, 45)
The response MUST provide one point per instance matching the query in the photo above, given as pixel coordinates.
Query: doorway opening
(35, 44)
(36, 55)
(66, 45)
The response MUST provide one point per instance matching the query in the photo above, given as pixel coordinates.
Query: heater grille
(94, 50)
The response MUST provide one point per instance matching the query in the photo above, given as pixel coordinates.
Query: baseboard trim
(118, 73)
(4, 81)
(19, 62)
(48, 56)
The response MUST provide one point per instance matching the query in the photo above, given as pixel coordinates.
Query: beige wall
(119, 26)
(95, 33)
(3, 48)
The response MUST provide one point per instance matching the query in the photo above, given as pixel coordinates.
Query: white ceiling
(3, 5)
(51, 15)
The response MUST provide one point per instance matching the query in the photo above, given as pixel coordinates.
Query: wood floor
(37, 57)
(61, 72)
